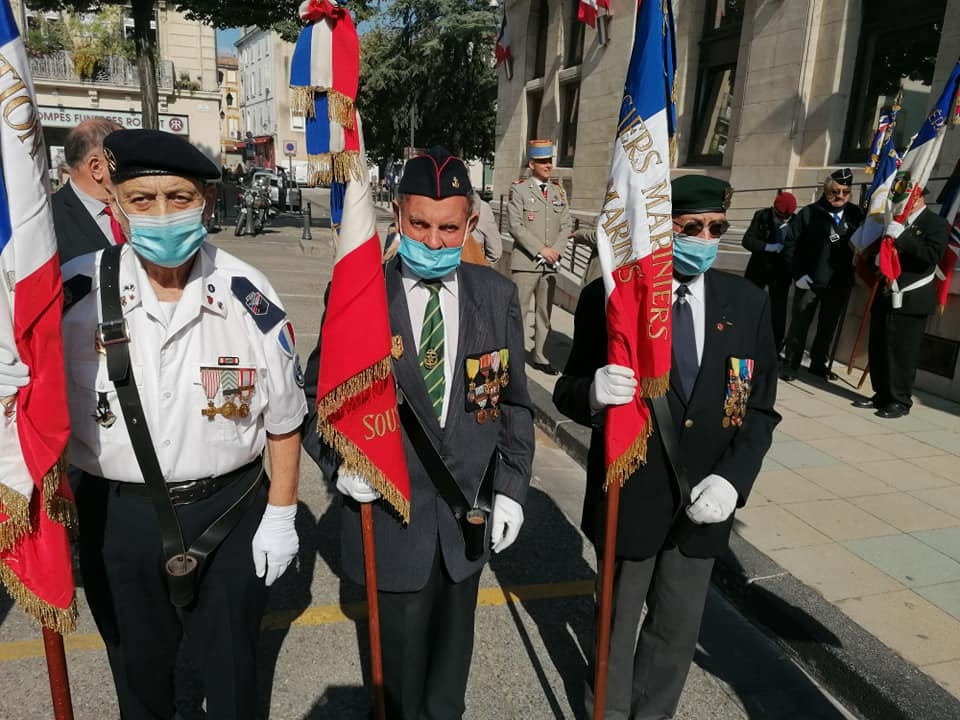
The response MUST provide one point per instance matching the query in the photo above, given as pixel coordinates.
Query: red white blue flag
(949, 209)
(635, 235)
(35, 500)
(588, 10)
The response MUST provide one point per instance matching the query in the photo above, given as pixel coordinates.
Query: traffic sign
(290, 148)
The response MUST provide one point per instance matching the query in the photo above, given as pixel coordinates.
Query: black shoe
(545, 368)
(893, 411)
(870, 402)
(824, 373)
(788, 374)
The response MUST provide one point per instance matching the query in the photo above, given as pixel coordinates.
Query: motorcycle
(253, 206)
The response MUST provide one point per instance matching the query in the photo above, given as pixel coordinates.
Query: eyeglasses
(695, 227)
(842, 192)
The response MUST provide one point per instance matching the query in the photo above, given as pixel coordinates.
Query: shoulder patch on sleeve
(75, 289)
(264, 312)
(519, 181)
(287, 340)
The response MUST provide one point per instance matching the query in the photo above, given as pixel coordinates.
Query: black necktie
(684, 341)
(543, 190)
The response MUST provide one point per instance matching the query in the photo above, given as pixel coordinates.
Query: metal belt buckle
(112, 332)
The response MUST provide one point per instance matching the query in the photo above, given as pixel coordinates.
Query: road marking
(320, 615)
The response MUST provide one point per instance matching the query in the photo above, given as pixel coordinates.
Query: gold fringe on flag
(628, 463)
(17, 509)
(353, 457)
(301, 101)
(61, 620)
(58, 508)
(326, 168)
(340, 109)
(654, 387)
(339, 106)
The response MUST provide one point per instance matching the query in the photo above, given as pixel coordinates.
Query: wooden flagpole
(606, 600)
(373, 610)
(57, 674)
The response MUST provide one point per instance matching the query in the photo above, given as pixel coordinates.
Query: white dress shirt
(417, 296)
(697, 302)
(208, 327)
(97, 210)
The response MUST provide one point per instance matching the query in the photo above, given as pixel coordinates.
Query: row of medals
(237, 386)
(735, 404)
(488, 391)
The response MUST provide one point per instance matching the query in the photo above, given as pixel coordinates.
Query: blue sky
(225, 41)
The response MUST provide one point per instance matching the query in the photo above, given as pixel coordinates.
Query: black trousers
(778, 289)
(427, 641)
(646, 672)
(893, 351)
(122, 566)
(805, 305)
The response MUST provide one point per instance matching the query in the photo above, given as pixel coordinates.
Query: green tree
(429, 61)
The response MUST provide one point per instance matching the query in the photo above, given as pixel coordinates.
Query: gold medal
(725, 422)
(396, 347)
(228, 409)
(481, 416)
(495, 413)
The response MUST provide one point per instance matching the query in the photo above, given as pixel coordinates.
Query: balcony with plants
(87, 49)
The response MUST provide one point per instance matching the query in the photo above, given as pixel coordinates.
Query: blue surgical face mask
(426, 263)
(693, 255)
(167, 240)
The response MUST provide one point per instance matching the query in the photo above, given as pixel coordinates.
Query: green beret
(700, 194)
(134, 153)
(436, 174)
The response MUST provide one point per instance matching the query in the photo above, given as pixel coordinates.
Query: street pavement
(535, 605)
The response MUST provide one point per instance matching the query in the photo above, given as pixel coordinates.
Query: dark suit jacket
(489, 320)
(764, 268)
(808, 247)
(737, 324)
(77, 232)
(920, 248)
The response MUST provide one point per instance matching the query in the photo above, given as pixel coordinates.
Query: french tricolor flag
(35, 499)
(588, 10)
(635, 236)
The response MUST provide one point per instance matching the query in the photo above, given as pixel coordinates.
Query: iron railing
(110, 70)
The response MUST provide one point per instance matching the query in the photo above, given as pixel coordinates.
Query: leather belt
(190, 491)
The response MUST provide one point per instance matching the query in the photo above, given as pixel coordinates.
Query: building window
(229, 99)
(296, 122)
(569, 113)
(234, 126)
(534, 101)
(575, 37)
(715, 77)
(898, 51)
(540, 19)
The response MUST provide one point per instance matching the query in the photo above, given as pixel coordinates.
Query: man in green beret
(676, 511)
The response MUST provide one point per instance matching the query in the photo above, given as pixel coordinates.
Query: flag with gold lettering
(36, 504)
(635, 235)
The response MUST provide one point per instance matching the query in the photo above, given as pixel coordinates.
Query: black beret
(436, 174)
(133, 153)
(700, 194)
(842, 177)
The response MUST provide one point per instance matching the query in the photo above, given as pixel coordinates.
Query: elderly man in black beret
(181, 370)
(708, 443)
(817, 250)
(468, 434)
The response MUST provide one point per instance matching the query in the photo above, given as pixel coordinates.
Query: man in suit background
(538, 217)
(898, 316)
(817, 250)
(81, 212)
(766, 268)
(722, 391)
(461, 371)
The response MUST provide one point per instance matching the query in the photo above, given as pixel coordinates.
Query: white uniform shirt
(696, 289)
(210, 327)
(97, 210)
(417, 296)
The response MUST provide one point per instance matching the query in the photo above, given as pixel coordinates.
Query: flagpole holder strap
(112, 332)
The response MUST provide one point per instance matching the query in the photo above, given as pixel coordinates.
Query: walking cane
(373, 610)
(606, 599)
(57, 674)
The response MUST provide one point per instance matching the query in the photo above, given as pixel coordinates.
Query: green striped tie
(431, 347)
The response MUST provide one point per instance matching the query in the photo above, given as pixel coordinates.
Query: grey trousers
(646, 671)
(540, 285)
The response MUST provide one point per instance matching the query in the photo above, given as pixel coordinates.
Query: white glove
(13, 373)
(353, 485)
(894, 229)
(506, 522)
(712, 500)
(774, 247)
(804, 283)
(275, 544)
(612, 385)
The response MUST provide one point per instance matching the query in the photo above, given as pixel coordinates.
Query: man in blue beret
(182, 370)
(819, 255)
(710, 436)
(468, 432)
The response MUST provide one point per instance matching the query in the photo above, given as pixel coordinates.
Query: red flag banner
(356, 395)
(36, 505)
(635, 236)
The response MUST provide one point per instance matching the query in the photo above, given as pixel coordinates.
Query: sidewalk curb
(866, 675)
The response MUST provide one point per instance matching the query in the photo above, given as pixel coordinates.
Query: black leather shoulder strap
(671, 446)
